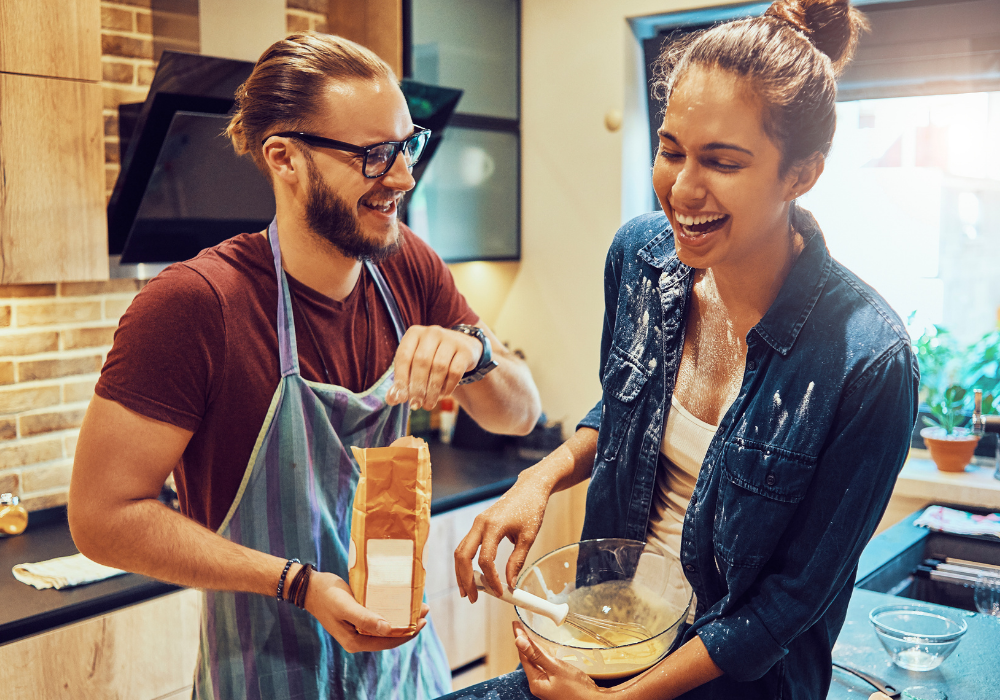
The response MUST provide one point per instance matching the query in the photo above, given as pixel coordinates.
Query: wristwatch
(486, 362)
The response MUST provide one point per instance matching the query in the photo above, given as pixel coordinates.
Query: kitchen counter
(970, 673)
(921, 483)
(26, 610)
(976, 486)
(460, 477)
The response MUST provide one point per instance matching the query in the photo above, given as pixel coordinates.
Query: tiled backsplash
(53, 342)
(54, 338)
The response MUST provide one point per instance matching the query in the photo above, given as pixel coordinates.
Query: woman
(758, 397)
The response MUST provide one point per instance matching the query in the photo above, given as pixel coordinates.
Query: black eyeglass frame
(397, 147)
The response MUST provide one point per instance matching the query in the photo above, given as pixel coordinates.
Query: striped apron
(295, 502)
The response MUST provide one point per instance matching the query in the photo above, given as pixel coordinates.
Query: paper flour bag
(389, 525)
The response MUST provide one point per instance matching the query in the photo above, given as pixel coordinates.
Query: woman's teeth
(702, 224)
(695, 220)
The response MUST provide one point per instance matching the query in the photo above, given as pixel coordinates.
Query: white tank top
(682, 450)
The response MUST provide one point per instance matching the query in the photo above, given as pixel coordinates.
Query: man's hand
(430, 361)
(329, 600)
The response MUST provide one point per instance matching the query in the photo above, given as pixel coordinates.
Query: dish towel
(63, 572)
(958, 522)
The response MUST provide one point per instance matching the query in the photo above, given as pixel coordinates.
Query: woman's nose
(689, 186)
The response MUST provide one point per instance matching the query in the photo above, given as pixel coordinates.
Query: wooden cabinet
(146, 651)
(460, 626)
(52, 38)
(53, 225)
(376, 24)
(52, 219)
(478, 638)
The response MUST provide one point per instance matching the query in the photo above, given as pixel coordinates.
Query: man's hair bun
(833, 26)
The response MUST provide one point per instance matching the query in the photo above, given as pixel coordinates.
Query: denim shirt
(800, 469)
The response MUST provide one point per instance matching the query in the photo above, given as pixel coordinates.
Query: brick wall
(126, 68)
(135, 32)
(54, 338)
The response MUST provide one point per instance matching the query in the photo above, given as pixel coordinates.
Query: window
(467, 204)
(910, 198)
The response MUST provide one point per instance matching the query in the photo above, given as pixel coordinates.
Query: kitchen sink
(901, 561)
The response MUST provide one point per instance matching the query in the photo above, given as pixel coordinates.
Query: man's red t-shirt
(198, 348)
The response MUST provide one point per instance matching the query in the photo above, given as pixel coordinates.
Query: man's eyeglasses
(378, 158)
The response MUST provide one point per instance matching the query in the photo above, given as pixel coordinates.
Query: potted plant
(951, 445)
(949, 372)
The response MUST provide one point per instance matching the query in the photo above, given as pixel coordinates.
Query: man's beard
(330, 217)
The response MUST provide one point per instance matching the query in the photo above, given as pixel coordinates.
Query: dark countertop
(970, 673)
(459, 477)
(26, 610)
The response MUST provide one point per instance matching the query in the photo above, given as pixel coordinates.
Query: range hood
(182, 188)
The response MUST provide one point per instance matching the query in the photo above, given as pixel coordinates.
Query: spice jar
(13, 516)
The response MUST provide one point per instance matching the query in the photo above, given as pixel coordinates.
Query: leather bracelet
(300, 594)
(300, 584)
(281, 581)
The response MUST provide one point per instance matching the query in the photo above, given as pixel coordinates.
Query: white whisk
(559, 614)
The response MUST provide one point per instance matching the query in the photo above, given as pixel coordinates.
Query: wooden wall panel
(377, 24)
(53, 225)
(52, 38)
(146, 651)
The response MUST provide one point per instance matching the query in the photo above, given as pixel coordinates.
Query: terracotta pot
(951, 453)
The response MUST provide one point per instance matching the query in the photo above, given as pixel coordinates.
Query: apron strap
(390, 301)
(287, 350)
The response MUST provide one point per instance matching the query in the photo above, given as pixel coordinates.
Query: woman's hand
(516, 516)
(329, 600)
(551, 679)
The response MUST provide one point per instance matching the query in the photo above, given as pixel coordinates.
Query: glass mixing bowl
(617, 581)
(917, 638)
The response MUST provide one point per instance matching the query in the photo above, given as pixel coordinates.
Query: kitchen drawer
(469, 676)
(461, 627)
(145, 651)
(446, 532)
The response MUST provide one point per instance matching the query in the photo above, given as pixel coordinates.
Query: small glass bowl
(987, 594)
(917, 638)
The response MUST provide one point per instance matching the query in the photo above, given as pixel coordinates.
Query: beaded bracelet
(281, 581)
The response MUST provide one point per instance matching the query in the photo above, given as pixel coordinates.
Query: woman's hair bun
(833, 26)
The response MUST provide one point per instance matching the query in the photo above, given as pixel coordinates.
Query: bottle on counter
(13, 516)
(446, 421)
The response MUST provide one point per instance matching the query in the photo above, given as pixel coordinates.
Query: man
(250, 370)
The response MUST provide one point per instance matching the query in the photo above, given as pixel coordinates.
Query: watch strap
(486, 362)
